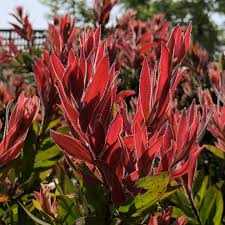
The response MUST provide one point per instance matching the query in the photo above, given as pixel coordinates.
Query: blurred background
(208, 16)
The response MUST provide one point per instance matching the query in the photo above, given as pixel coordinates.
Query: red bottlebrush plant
(24, 27)
(60, 41)
(217, 79)
(200, 59)
(180, 154)
(5, 95)
(62, 37)
(157, 85)
(137, 39)
(102, 134)
(217, 123)
(8, 52)
(175, 145)
(87, 88)
(17, 127)
(44, 198)
(197, 75)
(45, 85)
(187, 130)
(102, 9)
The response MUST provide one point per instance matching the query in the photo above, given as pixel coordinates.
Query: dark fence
(10, 35)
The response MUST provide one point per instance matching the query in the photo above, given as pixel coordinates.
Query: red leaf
(73, 147)
(124, 114)
(186, 42)
(99, 82)
(124, 94)
(145, 89)
(115, 129)
(113, 181)
(138, 139)
(97, 36)
(70, 112)
(57, 67)
(98, 138)
(148, 46)
(164, 67)
(71, 57)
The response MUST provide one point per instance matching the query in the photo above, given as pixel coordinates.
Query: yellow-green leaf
(156, 186)
(34, 218)
(216, 151)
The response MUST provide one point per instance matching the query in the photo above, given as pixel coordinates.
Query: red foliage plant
(45, 84)
(102, 9)
(24, 27)
(17, 127)
(62, 37)
(117, 149)
(5, 95)
(60, 41)
(217, 122)
(8, 52)
(197, 63)
(138, 39)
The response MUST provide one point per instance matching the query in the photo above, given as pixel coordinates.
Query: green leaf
(36, 126)
(180, 201)
(216, 151)
(12, 176)
(53, 123)
(148, 181)
(170, 191)
(37, 205)
(96, 199)
(46, 143)
(66, 209)
(177, 212)
(23, 218)
(28, 156)
(219, 209)
(199, 196)
(208, 202)
(45, 164)
(65, 185)
(50, 153)
(156, 186)
(34, 218)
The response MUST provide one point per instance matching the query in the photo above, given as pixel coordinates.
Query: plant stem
(193, 206)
